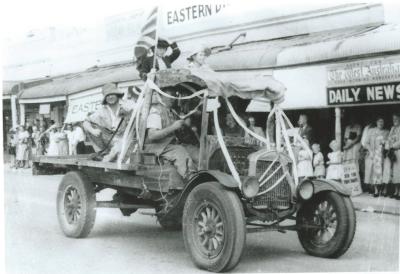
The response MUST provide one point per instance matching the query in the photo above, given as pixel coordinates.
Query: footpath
(382, 205)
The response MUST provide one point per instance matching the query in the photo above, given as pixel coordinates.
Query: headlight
(306, 190)
(250, 187)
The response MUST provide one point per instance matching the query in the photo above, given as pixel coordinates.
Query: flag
(147, 34)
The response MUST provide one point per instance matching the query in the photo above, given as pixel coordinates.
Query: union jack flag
(148, 35)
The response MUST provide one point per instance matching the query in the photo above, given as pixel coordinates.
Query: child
(304, 165)
(335, 168)
(318, 161)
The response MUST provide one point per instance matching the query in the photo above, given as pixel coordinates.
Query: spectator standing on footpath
(318, 161)
(304, 165)
(366, 162)
(76, 140)
(335, 168)
(305, 131)
(392, 161)
(352, 145)
(22, 147)
(375, 144)
(12, 147)
(53, 139)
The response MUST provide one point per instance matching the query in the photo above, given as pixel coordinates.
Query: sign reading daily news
(364, 82)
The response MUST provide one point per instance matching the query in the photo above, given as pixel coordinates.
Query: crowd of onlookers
(29, 140)
(374, 151)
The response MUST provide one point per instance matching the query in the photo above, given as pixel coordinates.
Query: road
(137, 244)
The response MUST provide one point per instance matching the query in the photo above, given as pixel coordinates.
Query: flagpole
(156, 37)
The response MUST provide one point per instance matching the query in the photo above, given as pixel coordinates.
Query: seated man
(101, 125)
(160, 139)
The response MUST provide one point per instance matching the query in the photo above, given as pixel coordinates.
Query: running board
(111, 204)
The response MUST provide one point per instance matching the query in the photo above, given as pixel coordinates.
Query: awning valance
(77, 82)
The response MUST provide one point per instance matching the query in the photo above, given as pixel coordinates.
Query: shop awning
(306, 48)
(370, 41)
(60, 87)
(9, 88)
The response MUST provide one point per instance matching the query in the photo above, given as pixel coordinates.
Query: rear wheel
(214, 227)
(327, 225)
(76, 205)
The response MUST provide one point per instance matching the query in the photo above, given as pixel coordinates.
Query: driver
(161, 139)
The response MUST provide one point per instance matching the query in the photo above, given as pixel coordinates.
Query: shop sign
(364, 72)
(351, 178)
(44, 109)
(364, 82)
(79, 108)
(363, 94)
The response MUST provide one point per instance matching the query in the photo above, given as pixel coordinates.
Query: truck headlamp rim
(306, 190)
(250, 187)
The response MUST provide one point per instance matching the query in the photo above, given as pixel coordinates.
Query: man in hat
(161, 139)
(101, 124)
(162, 61)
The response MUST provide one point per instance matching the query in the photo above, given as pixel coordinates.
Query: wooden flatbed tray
(80, 160)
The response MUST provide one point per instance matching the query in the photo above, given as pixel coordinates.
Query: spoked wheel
(76, 205)
(214, 227)
(327, 225)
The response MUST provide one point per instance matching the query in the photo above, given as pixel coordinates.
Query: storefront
(71, 98)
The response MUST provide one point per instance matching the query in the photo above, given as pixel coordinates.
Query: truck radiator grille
(279, 197)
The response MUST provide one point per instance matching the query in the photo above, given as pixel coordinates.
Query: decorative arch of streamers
(281, 121)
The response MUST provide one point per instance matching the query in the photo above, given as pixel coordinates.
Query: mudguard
(205, 176)
(325, 184)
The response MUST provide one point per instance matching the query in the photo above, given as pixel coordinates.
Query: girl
(335, 168)
(318, 161)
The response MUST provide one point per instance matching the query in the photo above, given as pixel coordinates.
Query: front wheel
(76, 205)
(327, 225)
(214, 228)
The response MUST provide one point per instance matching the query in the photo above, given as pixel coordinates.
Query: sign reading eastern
(373, 93)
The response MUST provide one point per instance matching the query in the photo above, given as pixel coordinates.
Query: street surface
(137, 244)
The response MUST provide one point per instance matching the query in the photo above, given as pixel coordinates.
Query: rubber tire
(345, 230)
(231, 210)
(88, 205)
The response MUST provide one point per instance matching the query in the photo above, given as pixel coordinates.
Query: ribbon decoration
(153, 86)
(224, 150)
(240, 122)
(139, 104)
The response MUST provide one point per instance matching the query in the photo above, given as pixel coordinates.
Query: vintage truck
(213, 207)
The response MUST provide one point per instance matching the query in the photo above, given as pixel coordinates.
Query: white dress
(304, 165)
(53, 146)
(335, 168)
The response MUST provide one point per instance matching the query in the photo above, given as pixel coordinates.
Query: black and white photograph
(200, 137)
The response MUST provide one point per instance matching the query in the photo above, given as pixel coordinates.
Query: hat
(162, 43)
(109, 89)
(197, 49)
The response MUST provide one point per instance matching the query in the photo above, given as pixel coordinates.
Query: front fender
(325, 184)
(201, 177)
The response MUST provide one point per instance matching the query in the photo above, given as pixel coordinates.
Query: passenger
(145, 64)
(198, 58)
(258, 130)
(161, 139)
(231, 128)
(100, 125)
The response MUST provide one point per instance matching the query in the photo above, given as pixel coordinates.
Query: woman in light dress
(375, 144)
(391, 171)
(304, 164)
(335, 167)
(52, 132)
(22, 155)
